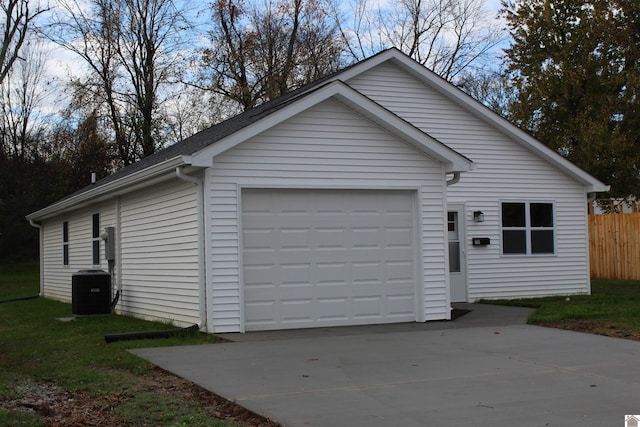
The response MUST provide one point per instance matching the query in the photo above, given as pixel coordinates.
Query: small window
(528, 228)
(95, 241)
(454, 242)
(65, 243)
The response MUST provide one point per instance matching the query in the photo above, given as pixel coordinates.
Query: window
(65, 243)
(96, 239)
(454, 242)
(528, 228)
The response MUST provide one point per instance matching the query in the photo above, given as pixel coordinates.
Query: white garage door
(327, 258)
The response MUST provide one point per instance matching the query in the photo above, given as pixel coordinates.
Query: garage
(327, 257)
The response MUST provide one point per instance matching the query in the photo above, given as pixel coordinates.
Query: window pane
(542, 242)
(96, 225)
(96, 252)
(514, 242)
(454, 257)
(65, 243)
(451, 221)
(513, 215)
(452, 225)
(541, 214)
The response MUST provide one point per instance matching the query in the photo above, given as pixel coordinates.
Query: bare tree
(18, 17)
(448, 36)
(261, 52)
(131, 49)
(93, 34)
(22, 93)
(148, 51)
(190, 109)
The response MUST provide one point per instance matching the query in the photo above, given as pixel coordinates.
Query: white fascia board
(484, 113)
(452, 161)
(110, 189)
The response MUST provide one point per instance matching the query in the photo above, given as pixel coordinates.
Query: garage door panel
(368, 308)
(330, 257)
(400, 305)
(261, 313)
(296, 310)
(333, 310)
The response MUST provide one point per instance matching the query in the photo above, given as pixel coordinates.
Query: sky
(61, 64)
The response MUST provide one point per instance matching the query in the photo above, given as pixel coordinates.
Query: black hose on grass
(20, 299)
(115, 300)
(129, 336)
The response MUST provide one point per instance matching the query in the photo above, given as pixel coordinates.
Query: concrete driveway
(485, 369)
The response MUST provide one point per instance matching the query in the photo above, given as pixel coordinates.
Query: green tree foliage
(83, 150)
(60, 166)
(575, 69)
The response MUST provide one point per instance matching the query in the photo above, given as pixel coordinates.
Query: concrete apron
(479, 375)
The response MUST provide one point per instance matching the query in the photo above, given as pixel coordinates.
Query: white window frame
(528, 228)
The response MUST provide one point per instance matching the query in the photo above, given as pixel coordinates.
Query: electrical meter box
(90, 292)
(109, 237)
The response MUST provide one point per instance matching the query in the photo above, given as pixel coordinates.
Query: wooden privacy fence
(614, 246)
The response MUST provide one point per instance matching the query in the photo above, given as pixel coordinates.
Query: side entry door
(457, 254)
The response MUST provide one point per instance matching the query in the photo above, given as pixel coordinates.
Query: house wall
(156, 246)
(506, 171)
(327, 146)
(56, 276)
(159, 253)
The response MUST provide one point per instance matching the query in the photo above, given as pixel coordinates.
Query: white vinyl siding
(505, 170)
(159, 253)
(158, 263)
(327, 146)
(56, 276)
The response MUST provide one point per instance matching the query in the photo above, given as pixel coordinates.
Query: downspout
(202, 283)
(41, 253)
(455, 179)
(117, 263)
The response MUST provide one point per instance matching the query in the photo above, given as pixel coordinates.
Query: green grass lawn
(39, 352)
(612, 309)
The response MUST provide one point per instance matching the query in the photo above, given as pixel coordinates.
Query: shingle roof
(216, 132)
(208, 136)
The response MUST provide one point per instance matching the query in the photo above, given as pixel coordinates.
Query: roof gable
(200, 148)
(452, 161)
(479, 110)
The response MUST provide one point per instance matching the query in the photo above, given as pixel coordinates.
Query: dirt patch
(596, 327)
(70, 409)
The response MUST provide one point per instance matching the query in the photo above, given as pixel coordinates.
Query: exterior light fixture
(478, 216)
